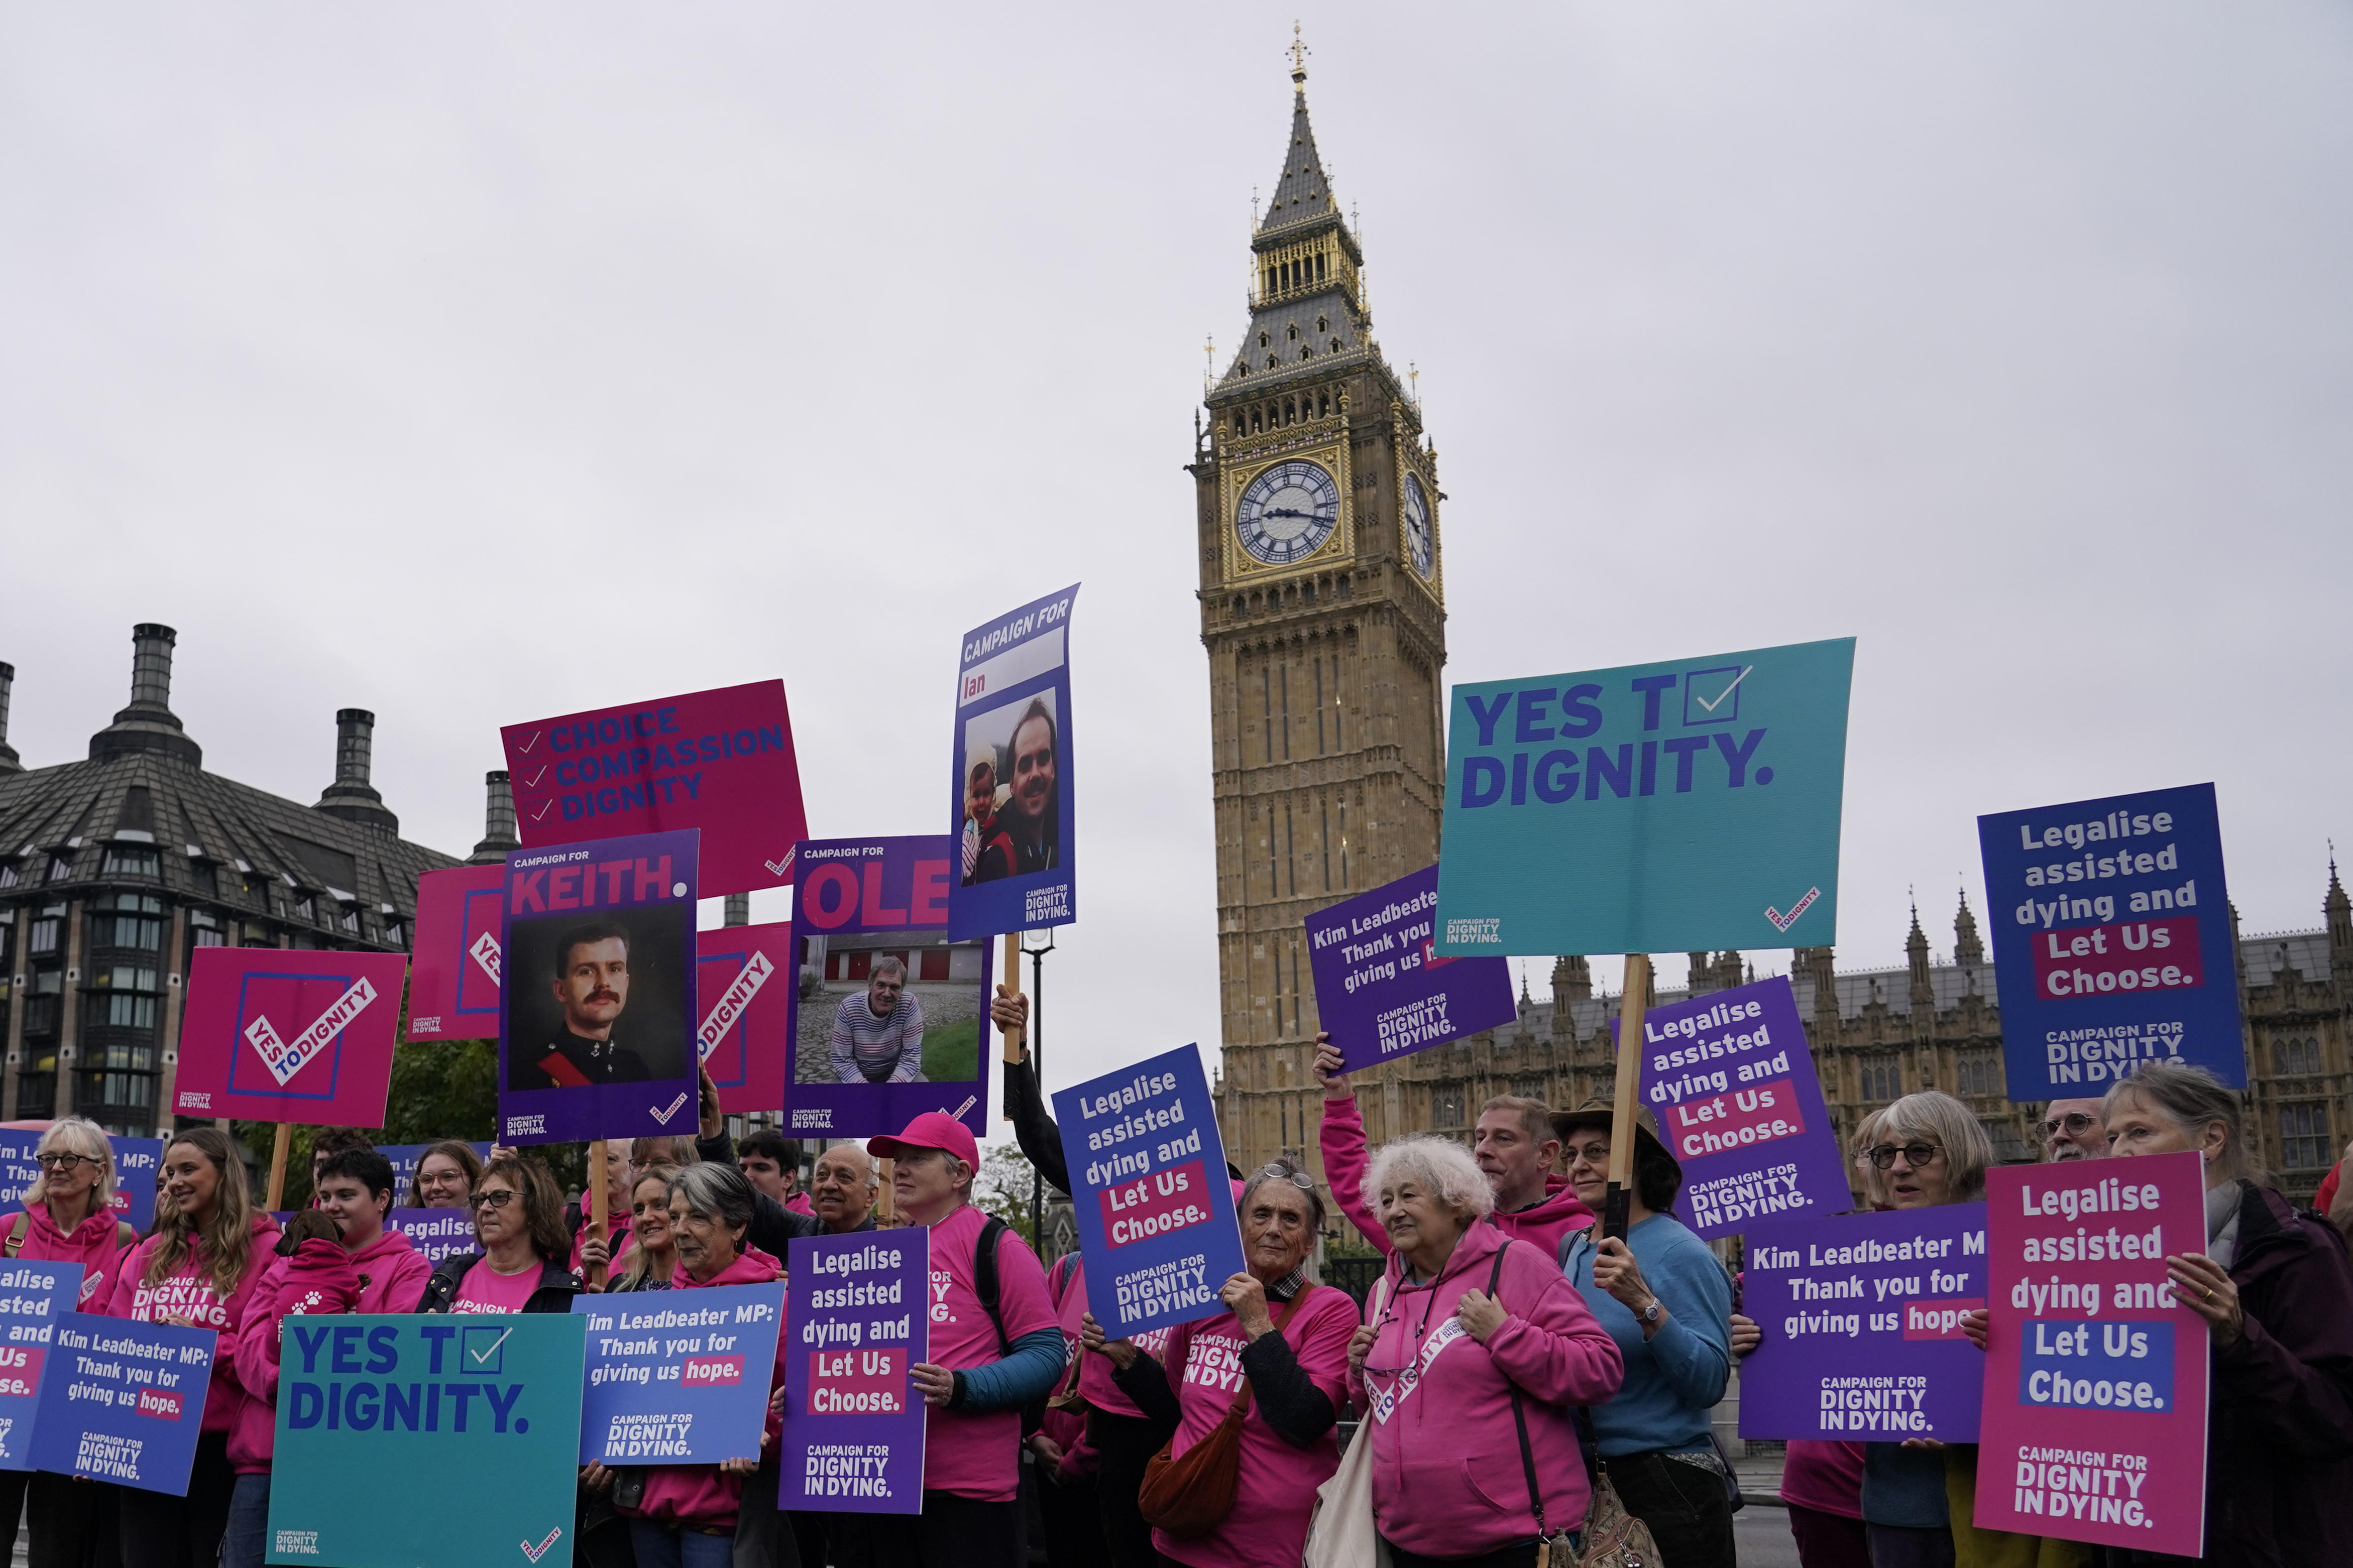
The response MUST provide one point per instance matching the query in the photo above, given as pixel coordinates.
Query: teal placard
(1651, 808)
(447, 1441)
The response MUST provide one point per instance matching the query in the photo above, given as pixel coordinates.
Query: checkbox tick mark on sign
(540, 814)
(527, 745)
(483, 1355)
(1720, 696)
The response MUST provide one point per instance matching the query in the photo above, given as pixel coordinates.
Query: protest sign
(677, 1377)
(854, 1436)
(745, 994)
(282, 1034)
(1155, 1207)
(435, 1232)
(34, 1298)
(2096, 1379)
(1687, 804)
(1862, 1317)
(405, 1157)
(597, 1022)
(1381, 990)
(135, 1160)
(2111, 940)
(482, 1416)
(890, 1010)
(1011, 802)
(720, 760)
(1740, 1107)
(453, 967)
(124, 1402)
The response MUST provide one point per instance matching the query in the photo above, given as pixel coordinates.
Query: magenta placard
(2093, 1426)
(744, 995)
(720, 761)
(454, 965)
(276, 1035)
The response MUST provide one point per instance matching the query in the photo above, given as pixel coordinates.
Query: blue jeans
(247, 1540)
(660, 1545)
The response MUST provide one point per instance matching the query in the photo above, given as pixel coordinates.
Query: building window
(395, 934)
(306, 908)
(1528, 1087)
(7, 873)
(60, 867)
(143, 932)
(2304, 1144)
(2296, 1056)
(351, 919)
(1446, 1108)
(1981, 1074)
(1322, 323)
(206, 877)
(132, 860)
(45, 935)
(1883, 1078)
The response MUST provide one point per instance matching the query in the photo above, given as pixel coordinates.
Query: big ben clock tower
(1323, 608)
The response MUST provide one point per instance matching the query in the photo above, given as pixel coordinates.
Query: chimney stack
(148, 726)
(498, 823)
(8, 761)
(351, 796)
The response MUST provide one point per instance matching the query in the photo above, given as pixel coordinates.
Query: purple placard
(1733, 1085)
(678, 1379)
(1380, 990)
(1861, 1315)
(596, 1020)
(719, 760)
(854, 1309)
(453, 971)
(862, 906)
(1012, 793)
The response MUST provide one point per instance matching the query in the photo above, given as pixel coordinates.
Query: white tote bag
(1343, 1534)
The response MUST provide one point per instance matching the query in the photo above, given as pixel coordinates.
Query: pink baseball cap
(932, 1129)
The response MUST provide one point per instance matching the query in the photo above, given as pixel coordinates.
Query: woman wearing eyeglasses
(522, 1268)
(67, 1217)
(1288, 1341)
(445, 1177)
(1471, 1333)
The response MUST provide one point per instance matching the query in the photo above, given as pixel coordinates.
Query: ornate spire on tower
(1572, 978)
(2339, 911)
(1968, 948)
(1916, 946)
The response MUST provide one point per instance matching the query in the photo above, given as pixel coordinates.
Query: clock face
(1418, 539)
(1288, 512)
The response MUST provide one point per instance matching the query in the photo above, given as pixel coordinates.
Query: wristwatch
(1650, 1315)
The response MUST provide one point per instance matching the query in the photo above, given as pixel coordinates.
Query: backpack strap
(126, 1235)
(1520, 1421)
(983, 1279)
(17, 1224)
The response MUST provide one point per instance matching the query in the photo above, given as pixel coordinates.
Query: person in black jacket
(519, 1220)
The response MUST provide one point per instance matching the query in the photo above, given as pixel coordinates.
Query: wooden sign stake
(1008, 983)
(278, 1151)
(599, 1183)
(1630, 1008)
(886, 1202)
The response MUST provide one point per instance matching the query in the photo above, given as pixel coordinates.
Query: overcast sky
(475, 363)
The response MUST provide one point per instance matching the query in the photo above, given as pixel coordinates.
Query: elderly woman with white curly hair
(1470, 1336)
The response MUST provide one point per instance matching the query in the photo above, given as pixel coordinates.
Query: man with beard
(592, 986)
(1031, 817)
(2072, 1130)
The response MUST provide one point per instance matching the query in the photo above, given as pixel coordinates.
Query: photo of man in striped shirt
(878, 1033)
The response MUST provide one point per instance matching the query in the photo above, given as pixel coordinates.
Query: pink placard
(745, 990)
(454, 965)
(276, 1035)
(2093, 1425)
(720, 761)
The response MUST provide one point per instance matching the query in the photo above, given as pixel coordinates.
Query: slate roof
(1302, 193)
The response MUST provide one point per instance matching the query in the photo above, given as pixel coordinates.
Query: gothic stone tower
(1322, 609)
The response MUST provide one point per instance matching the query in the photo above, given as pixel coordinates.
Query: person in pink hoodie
(687, 1515)
(69, 1217)
(1515, 1146)
(198, 1267)
(356, 1266)
(1467, 1331)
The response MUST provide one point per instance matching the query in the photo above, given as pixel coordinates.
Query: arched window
(1271, 362)
(1294, 331)
(1306, 349)
(1263, 340)
(1322, 323)
(1336, 345)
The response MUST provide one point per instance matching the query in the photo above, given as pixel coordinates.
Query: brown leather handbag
(1189, 1497)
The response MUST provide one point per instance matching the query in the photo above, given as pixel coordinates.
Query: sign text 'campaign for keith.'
(853, 1438)
(1381, 990)
(1862, 1318)
(479, 1415)
(720, 760)
(1011, 802)
(1733, 1084)
(2111, 940)
(597, 1014)
(2095, 1380)
(886, 1011)
(1653, 807)
(277, 1035)
(1149, 1190)
(453, 970)
(678, 1377)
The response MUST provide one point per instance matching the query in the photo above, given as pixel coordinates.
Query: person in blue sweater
(1667, 1301)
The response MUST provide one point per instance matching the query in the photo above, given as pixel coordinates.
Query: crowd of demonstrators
(198, 1267)
(522, 1266)
(1667, 1302)
(1453, 1480)
(445, 1176)
(2277, 1293)
(1279, 1354)
(1515, 1144)
(335, 1258)
(772, 1164)
(995, 1346)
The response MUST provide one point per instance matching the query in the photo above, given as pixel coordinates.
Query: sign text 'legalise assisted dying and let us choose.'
(1153, 1202)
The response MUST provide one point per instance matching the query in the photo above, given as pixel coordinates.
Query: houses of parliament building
(1322, 607)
